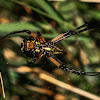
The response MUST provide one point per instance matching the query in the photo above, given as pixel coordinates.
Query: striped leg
(41, 38)
(35, 59)
(70, 33)
(62, 66)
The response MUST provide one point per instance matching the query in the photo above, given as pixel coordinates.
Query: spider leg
(60, 52)
(62, 66)
(42, 39)
(84, 25)
(15, 32)
(35, 59)
(70, 33)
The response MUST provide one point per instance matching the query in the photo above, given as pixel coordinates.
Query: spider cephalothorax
(37, 46)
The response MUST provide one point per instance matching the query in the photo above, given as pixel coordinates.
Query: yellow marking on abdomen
(37, 42)
(22, 46)
(37, 50)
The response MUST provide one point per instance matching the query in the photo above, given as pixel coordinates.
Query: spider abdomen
(29, 46)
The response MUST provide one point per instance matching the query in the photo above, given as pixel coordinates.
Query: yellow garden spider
(36, 46)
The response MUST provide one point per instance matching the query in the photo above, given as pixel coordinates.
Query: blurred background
(43, 80)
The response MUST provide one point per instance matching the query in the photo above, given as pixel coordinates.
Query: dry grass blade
(39, 90)
(96, 1)
(2, 87)
(68, 87)
(50, 78)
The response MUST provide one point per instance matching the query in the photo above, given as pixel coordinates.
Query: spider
(36, 47)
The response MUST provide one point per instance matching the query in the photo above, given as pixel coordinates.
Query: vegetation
(43, 80)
